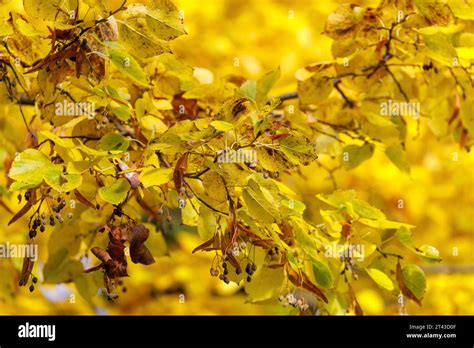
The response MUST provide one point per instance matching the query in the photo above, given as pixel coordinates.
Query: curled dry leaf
(206, 245)
(137, 234)
(178, 174)
(83, 199)
(28, 264)
(301, 280)
(25, 208)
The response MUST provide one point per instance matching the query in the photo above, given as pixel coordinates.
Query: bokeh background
(438, 196)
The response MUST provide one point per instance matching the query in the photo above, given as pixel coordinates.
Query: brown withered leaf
(205, 245)
(20, 213)
(301, 280)
(185, 108)
(276, 265)
(256, 240)
(25, 208)
(113, 259)
(101, 254)
(98, 180)
(137, 234)
(83, 199)
(357, 308)
(178, 173)
(28, 264)
(232, 229)
(141, 254)
(457, 108)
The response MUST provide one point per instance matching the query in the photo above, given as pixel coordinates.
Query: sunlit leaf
(116, 193)
(380, 278)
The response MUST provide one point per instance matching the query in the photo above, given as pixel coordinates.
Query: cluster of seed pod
(37, 223)
(349, 264)
(294, 301)
(160, 211)
(267, 174)
(27, 196)
(32, 286)
(40, 221)
(56, 208)
(224, 274)
(250, 270)
(273, 253)
(237, 248)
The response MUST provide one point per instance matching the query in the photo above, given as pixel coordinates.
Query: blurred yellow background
(260, 35)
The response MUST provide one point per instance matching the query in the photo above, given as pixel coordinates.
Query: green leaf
(129, 66)
(78, 167)
(207, 223)
(155, 176)
(462, 9)
(414, 279)
(398, 157)
(265, 84)
(249, 90)
(62, 182)
(302, 232)
(365, 210)
(164, 22)
(115, 193)
(298, 149)
(17, 185)
(314, 89)
(49, 10)
(429, 253)
(384, 224)
(322, 274)
(121, 111)
(222, 126)
(113, 142)
(355, 207)
(440, 47)
(353, 155)
(29, 167)
(260, 203)
(294, 206)
(380, 278)
(339, 198)
(88, 285)
(61, 269)
(136, 32)
(426, 252)
(404, 235)
(266, 284)
(342, 22)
